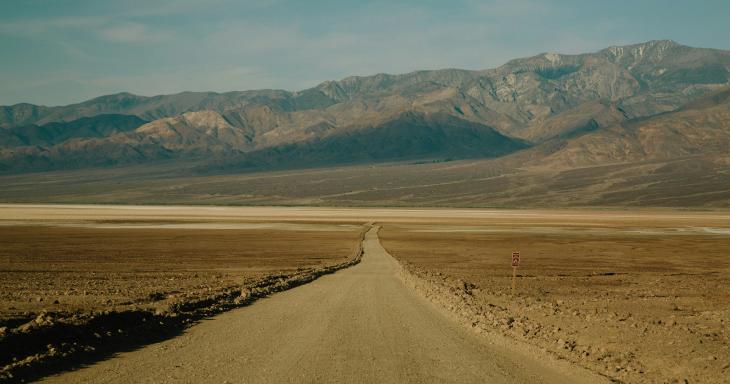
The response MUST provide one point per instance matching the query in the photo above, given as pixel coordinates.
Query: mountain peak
(662, 44)
(654, 50)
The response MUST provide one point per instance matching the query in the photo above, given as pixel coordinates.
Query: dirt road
(359, 325)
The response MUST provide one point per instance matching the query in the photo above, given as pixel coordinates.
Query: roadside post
(515, 264)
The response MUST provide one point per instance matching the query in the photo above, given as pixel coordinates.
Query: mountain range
(655, 102)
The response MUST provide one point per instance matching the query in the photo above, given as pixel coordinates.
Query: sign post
(515, 264)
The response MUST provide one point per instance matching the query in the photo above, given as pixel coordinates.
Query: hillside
(409, 136)
(639, 117)
(642, 79)
(54, 133)
(700, 128)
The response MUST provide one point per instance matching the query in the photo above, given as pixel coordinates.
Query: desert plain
(630, 295)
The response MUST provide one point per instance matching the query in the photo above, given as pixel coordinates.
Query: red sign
(515, 259)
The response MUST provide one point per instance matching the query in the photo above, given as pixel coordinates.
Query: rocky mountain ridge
(541, 100)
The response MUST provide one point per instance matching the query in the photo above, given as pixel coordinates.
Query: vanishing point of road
(359, 325)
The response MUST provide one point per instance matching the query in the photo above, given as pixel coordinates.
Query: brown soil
(85, 269)
(636, 305)
(70, 293)
(640, 295)
(360, 325)
(694, 181)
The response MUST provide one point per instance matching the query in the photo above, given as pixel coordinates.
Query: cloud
(55, 29)
(133, 33)
(41, 26)
(510, 8)
(145, 8)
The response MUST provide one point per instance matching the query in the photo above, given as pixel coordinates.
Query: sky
(57, 52)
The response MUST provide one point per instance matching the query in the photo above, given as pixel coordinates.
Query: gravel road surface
(359, 325)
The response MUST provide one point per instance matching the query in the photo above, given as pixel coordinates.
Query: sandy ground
(71, 269)
(635, 295)
(638, 306)
(683, 182)
(360, 325)
(78, 290)
(649, 218)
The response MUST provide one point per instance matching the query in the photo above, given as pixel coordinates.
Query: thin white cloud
(133, 33)
(145, 8)
(510, 8)
(47, 25)
(106, 29)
